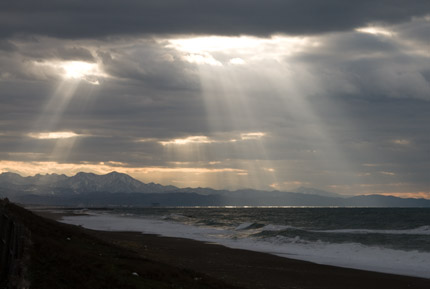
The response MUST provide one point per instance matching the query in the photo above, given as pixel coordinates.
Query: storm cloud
(229, 94)
(100, 18)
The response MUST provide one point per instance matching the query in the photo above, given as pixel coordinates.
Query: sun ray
(233, 102)
(76, 78)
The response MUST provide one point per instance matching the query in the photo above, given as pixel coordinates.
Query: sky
(269, 95)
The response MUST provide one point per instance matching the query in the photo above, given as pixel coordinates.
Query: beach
(247, 269)
(250, 269)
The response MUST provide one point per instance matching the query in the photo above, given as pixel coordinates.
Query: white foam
(423, 230)
(149, 226)
(243, 226)
(411, 263)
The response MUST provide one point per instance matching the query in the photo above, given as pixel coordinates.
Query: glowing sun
(78, 69)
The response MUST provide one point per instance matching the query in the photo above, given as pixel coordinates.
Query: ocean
(390, 240)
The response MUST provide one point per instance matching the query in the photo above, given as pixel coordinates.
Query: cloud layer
(100, 18)
(333, 96)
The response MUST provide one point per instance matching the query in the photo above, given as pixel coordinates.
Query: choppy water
(395, 240)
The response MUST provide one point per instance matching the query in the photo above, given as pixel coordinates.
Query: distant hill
(117, 189)
(312, 191)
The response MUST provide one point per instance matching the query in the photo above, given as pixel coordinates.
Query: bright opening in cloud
(188, 140)
(79, 69)
(215, 43)
(53, 135)
(252, 135)
(387, 173)
(74, 70)
(375, 31)
(204, 58)
(201, 139)
(202, 50)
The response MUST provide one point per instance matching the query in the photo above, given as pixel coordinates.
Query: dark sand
(250, 269)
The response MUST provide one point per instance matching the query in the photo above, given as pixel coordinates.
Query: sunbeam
(237, 75)
(74, 77)
(301, 104)
(229, 106)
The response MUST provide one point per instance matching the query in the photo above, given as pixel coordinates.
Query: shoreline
(251, 269)
(245, 268)
(348, 255)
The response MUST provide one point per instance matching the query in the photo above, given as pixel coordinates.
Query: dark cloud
(344, 108)
(417, 30)
(7, 45)
(39, 49)
(100, 18)
(426, 75)
(149, 62)
(74, 53)
(370, 66)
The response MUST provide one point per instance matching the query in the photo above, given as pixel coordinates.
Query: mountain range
(80, 183)
(117, 189)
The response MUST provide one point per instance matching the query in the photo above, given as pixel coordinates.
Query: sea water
(390, 240)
